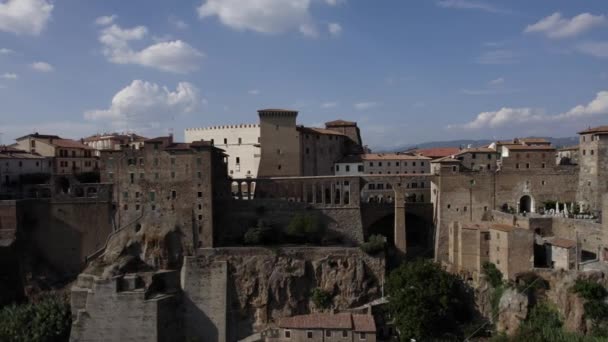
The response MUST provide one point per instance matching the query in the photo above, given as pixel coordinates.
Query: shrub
(261, 234)
(492, 273)
(48, 319)
(321, 298)
(306, 228)
(589, 290)
(374, 245)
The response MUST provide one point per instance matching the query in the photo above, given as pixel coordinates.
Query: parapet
(239, 126)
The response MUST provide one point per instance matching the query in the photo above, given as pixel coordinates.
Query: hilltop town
(274, 231)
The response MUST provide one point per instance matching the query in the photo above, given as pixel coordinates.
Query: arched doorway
(526, 204)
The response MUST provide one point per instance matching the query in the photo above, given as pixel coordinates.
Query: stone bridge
(342, 191)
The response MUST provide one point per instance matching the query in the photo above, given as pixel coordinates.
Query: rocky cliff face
(513, 309)
(268, 284)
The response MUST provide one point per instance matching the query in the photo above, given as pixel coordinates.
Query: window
(347, 168)
(33, 143)
(489, 167)
(141, 161)
(125, 195)
(453, 168)
(240, 141)
(396, 163)
(309, 334)
(474, 156)
(449, 206)
(543, 165)
(527, 165)
(200, 194)
(136, 194)
(172, 174)
(287, 334)
(238, 160)
(279, 151)
(344, 333)
(584, 152)
(591, 151)
(173, 194)
(152, 196)
(360, 168)
(464, 209)
(137, 207)
(199, 161)
(307, 150)
(125, 207)
(327, 333)
(362, 336)
(379, 163)
(213, 142)
(371, 163)
(225, 141)
(543, 182)
(489, 156)
(388, 164)
(413, 163)
(199, 174)
(337, 167)
(20, 163)
(279, 166)
(517, 166)
(132, 175)
(172, 161)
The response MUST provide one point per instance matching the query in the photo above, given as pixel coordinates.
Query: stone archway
(526, 204)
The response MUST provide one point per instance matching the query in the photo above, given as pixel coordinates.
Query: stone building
(563, 254)
(525, 178)
(478, 159)
(593, 163)
(114, 141)
(68, 156)
(319, 327)
(16, 164)
(240, 142)
(511, 249)
(168, 187)
(278, 146)
(469, 248)
(567, 155)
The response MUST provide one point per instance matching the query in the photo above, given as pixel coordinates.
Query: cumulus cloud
(506, 117)
(597, 49)
(105, 20)
(365, 105)
(143, 104)
(42, 66)
(471, 5)
(556, 26)
(264, 16)
(334, 29)
(172, 56)
(25, 16)
(9, 76)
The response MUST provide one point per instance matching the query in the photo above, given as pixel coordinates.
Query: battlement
(239, 126)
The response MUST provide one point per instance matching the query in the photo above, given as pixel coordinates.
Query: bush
(589, 290)
(49, 319)
(375, 244)
(492, 273)
(321, 298)
(307, 228)
(426, 301)
(261, 234)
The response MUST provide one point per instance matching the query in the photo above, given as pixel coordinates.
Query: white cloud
(555, 26)
(24, 16)
(172, 56)
(178, 23)
(497, 81)
(42, 66)
(253, 92)
(365, 105)
(5, 51)
(335, 29)
(327, 105)
(9, 76)
(471, 5)
(143, 104)
(506, 117)
(105, 20)
(597, 106)
(597, 49)
(497, 57)
(264, 16)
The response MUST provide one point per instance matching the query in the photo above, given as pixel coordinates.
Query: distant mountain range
(556, 142)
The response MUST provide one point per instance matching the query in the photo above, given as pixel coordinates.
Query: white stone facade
(241, 143)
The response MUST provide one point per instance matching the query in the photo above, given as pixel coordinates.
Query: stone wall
(266, 284)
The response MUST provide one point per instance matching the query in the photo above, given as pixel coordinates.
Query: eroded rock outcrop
(513, 310)
(267, 284)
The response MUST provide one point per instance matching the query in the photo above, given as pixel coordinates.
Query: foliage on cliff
(375, 244)
(306, 228)
(48, 320)
(321, 298)
(595, 306)
(426, 302)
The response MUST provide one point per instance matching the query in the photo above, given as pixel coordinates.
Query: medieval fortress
(161, 243)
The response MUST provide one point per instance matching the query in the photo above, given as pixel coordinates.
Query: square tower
(280, 143)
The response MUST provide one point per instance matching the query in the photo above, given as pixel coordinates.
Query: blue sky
(407, 71)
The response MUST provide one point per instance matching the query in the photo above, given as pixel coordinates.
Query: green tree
(321, 298)
(46, 320)
(425, 301)
(307, 228)
(374, 245)
(493, 274)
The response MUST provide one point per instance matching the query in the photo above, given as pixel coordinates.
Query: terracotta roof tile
(563, 243)
(530, 148)
(436, 152)
(317, 321)
(364, 323)
(315, 130)
(598, 129)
